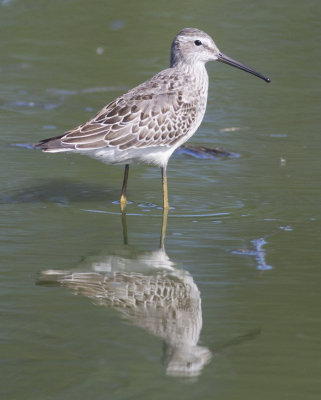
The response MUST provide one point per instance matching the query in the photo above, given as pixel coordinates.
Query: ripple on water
(171, 215)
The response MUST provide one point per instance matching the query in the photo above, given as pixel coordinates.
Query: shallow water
(230, 308)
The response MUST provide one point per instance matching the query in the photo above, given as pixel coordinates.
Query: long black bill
(227, 60)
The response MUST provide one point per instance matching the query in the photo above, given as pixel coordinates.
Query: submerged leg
(163, 231)
(123, 199)
(165, 191)
(124, 225)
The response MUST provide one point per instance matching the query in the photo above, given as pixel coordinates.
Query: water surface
(241, 319)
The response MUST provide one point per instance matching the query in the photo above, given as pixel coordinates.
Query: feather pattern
(159, 112)
(151, 120)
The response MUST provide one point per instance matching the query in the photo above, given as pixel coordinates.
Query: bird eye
(198, 42)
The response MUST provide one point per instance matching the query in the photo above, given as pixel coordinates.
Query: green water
(240, 317)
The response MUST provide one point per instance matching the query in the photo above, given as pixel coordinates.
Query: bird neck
(196, 71)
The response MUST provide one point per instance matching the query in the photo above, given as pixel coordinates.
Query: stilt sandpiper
(149, 122)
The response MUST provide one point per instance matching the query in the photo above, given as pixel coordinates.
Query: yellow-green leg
(163, 231)
(123, 199)
(165, 190)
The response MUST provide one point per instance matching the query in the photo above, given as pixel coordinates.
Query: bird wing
(154, 113)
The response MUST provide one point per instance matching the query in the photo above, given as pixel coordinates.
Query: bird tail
(53, 145)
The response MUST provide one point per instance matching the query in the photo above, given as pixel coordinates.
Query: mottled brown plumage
(160, 117)
(150, 121)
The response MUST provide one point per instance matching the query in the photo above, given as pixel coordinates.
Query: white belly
(157, 155)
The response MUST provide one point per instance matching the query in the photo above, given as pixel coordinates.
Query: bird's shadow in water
(153, 293)
(62, 191)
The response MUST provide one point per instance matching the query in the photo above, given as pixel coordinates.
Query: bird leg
(165, 191)
(163, 231)
(124, 225)
(123, 199)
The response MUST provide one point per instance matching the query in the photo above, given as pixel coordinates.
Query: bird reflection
(152, 293)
